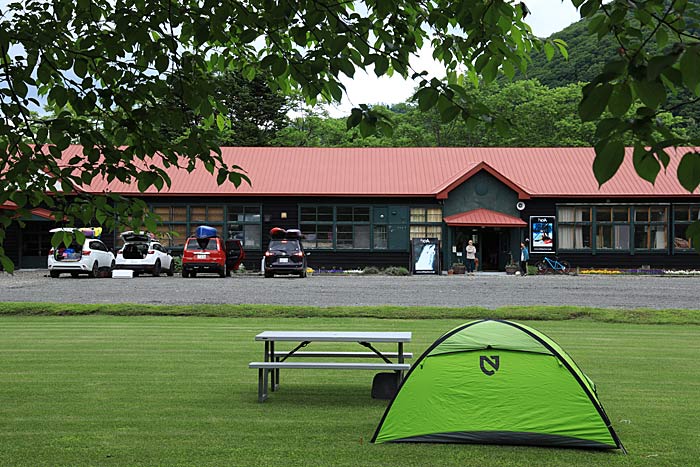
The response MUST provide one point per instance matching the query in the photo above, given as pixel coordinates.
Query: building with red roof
(365, 206)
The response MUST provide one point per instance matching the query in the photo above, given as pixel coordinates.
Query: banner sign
(542, 234)
(425, 256)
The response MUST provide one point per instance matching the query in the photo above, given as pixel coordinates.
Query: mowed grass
(171, 391)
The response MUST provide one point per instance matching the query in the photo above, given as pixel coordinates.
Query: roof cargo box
(204, 231)
(277, 232)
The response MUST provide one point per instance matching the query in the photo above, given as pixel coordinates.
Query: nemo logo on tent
(493, 361)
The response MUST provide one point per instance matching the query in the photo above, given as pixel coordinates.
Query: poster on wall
(425, 256)
(542, 234)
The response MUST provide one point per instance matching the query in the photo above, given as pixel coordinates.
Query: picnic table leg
(275, 372)
(262, 384)
(401, 360)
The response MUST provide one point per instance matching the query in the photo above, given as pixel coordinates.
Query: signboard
(425, 256)
(542, 234)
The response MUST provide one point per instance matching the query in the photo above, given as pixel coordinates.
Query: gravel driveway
(485, 290)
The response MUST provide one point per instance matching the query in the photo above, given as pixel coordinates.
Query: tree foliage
(103, 65)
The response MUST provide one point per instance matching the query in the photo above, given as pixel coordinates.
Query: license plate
(202, 256)
(284, 260)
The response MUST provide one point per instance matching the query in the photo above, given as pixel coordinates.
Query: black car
(285, 254)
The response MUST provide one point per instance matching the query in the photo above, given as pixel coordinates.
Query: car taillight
(269, 253)
(86, 253)
(119, 252)
(150, 252)
(299, 254)
(51, 251)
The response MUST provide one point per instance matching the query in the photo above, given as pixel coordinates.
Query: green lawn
(159, 390)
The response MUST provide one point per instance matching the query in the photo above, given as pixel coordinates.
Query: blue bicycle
(553, 265)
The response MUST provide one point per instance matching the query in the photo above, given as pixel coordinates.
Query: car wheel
(269, 274)
(54, 274)
(302, 274)
(171, 270)
(156, 269)
(185, 274)
(95, 269)
(223, 272)
(74, 275)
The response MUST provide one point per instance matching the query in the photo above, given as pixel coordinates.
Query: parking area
(484, 290)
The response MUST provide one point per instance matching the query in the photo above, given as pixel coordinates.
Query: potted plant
(511, 266)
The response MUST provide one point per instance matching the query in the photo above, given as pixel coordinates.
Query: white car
(143, 253)
(77, 259)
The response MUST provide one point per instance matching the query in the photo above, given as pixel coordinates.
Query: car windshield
(202, 244)
(289, 246)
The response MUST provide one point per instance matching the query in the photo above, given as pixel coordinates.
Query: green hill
(587, 56)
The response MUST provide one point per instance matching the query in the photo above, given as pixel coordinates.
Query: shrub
(370, 270)
(396, 271)
(178, 263)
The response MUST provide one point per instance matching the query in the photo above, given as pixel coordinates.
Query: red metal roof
(40, 212)
(484, 218)
(403, 172)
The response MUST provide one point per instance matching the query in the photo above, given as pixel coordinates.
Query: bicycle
(553, 265)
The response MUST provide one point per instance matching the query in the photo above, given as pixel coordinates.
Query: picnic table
(274, 360)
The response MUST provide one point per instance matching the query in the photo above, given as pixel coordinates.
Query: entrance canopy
(484, 218)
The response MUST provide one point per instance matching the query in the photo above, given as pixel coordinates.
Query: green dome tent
(497, 382)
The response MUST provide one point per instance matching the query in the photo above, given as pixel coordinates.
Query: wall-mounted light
(283, 215)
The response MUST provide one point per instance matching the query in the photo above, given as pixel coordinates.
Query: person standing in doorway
(524, 258)
(470, 257)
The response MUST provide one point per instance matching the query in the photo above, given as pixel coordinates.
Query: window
(683, 216)
(426, 223)
(173, 228)
(245, 224)
(574, 225)
(650, 227)
(612, 227)
(345, 227)
(352, 227)
(316, 224)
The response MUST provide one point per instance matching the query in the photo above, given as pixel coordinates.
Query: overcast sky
(547, 17)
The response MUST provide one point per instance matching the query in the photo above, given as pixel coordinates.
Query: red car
(211, 254)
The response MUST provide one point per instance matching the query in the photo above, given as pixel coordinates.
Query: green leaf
(354, 119)
(651, 93)
(594, 102)
(658, 64)
(381, 64)
(220, 122)
(427, 98)
(689, 171)
(620, 100)
(690, 64)
(80, 67)
(7, 264)
(367, 127)
(608, 158)
(549, 51)
(646, 165)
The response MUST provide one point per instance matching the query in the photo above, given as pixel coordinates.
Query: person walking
(524, 258)
(470, 257)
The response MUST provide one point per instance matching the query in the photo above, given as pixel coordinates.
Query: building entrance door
(490, 249)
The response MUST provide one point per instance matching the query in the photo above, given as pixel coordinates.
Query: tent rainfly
(497, 382)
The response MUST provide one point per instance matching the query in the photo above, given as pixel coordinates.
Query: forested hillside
(586, 58)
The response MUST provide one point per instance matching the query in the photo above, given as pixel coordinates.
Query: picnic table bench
(275, 360)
